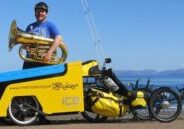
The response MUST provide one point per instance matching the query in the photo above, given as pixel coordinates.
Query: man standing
(45, 28)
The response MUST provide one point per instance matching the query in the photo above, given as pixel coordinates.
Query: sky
(136, 34)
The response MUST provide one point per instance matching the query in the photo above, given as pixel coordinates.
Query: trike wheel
(20, 112)
(165, 104)
(142, 114)
(93, 117)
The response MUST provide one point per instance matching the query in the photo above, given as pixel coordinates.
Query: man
(44, 28)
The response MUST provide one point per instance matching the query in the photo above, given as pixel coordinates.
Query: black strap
(94, 101)
(120, 110)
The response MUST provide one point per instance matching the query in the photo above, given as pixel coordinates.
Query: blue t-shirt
(45, 29)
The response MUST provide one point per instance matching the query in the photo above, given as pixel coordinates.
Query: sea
(174, 82)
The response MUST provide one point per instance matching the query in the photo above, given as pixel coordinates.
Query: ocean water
(155, 81)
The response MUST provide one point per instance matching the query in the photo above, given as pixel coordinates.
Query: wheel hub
(165, 104)
(23, 108)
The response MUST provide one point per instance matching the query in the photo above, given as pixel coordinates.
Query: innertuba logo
(65, 86)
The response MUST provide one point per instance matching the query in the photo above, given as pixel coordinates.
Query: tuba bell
(35, 45)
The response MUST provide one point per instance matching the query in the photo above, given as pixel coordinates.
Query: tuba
(35, 45)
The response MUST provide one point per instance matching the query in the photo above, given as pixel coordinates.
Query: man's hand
(47, 57)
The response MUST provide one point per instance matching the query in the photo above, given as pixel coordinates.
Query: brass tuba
(35, 45)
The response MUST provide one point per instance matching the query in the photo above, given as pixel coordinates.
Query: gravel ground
(178, 124)
(77, 122)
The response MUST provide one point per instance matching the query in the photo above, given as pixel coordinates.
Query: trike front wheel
(165, 104)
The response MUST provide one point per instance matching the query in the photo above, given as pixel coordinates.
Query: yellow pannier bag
(106, 104)
(139, 99)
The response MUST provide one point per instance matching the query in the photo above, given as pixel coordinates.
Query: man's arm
(57, 42)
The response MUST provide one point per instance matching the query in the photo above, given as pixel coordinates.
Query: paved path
(76, 122)
(178, 124)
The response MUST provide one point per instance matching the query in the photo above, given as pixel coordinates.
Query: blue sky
(136, 34)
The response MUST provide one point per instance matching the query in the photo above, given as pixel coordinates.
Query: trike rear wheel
(20, 112)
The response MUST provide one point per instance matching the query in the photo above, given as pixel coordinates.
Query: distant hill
(151, 73)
